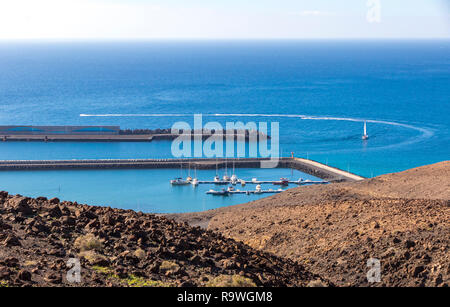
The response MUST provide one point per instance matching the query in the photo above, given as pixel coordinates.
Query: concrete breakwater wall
(307, 166)
(114, 134)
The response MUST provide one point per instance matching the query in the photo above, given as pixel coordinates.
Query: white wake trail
(425, 133)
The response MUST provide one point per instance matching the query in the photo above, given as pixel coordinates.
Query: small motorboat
(179, 181)
(283, 182)
(223, 192)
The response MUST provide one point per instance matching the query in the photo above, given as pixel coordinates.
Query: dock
(227, 193)
(310, 167)
(273, 182)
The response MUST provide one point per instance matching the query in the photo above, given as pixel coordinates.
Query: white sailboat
(226, 177)
(189, 178)
(234, 178)
(194, 181)
(365, 135)
(217, 178)
(179, 180)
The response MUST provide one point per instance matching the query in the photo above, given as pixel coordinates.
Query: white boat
(217, 178)
(234, 179)
(243, 183)
(258, 189)
(226, 177)
(194, 182)
(189, 178)
(179, 181)
(365, 135)
(223, 192)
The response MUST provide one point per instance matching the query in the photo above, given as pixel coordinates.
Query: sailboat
(180, 180)
(189, 178)
(234, 178)
(194, 182)
(365, 135)
(217, 178)
(226, 177)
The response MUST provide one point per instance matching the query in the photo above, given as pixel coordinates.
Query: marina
(146, 190)
(232, 181)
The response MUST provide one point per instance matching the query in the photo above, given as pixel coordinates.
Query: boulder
(20, 205)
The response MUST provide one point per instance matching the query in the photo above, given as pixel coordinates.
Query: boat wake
(424, 133)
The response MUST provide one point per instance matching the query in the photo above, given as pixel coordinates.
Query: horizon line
(224, 39)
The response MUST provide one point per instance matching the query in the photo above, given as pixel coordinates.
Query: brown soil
(401, 219)
(125, 248)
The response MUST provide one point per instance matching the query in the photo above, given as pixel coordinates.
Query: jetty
(228, 193)
(310, 167)
(249, 182)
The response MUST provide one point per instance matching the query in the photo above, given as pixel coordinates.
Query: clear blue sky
(119, 19)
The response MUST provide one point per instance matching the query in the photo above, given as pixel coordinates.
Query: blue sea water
(318, 91)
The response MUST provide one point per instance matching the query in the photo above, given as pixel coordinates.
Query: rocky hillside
(125, 248)
(401, 219)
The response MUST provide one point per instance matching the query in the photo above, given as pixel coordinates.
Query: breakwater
(306, 166)
(115, 134)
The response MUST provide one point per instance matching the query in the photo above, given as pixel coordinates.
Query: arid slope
(126, 248)
(401, 219)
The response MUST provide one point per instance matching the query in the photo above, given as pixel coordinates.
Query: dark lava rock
(54, 200)
(24, 275)
(20, 205)
(11, 240)
(118, 247)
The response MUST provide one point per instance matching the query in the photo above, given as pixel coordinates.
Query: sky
(223, 19)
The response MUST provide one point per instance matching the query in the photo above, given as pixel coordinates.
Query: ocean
(320, 93)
